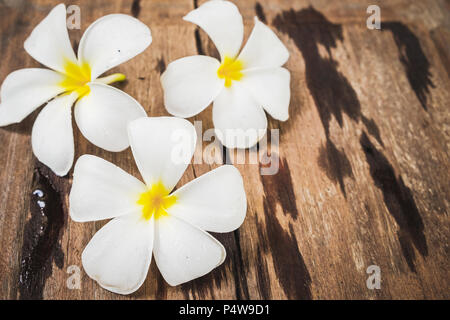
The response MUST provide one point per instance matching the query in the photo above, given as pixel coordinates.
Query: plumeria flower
(149, 218)
(241, 86)
(101, 112)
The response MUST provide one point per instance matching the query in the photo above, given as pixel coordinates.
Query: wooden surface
(364, 158)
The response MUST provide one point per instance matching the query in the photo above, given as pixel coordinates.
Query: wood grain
(363, 160)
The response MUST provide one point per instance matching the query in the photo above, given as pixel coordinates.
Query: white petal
(119, 254)
(103, 116)
(162, 147)
(112, 40)
(52, 135)
(190, 84)
(101, 190)
(263, 49)
(49, 42)
(270, 88)
(25, 90)
(222, 21)
(239, 121)
(214, 202)
(184, 252)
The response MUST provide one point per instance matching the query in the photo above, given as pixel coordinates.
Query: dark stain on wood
(199, 288)
(372, 128)
(219, 274)
(441, 41)
(240, 270)
(136, 8)
(204, 44)
(279, 188)
(399, 200)
(161, 65)
(41, 235)
(75, 45)
(407, 249)
(226, 159)
(209, 49)
(260, 12)
(413, 58)
(20, 25)
(198, 40)
(430, 281)
(288, 261)
(332, 92)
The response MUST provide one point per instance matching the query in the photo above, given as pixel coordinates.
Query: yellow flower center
(230, 70)
(155, 201)
(78, 75)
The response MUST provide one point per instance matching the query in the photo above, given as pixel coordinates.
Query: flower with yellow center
(77, 77)
(101, 111)
(241, 86)
(151, 219)
(230, 70)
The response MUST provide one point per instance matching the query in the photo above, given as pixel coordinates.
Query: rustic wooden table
(364, 158)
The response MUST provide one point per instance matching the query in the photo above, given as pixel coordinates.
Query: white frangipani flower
(147, 217)
(241, 86)
(101, 112)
